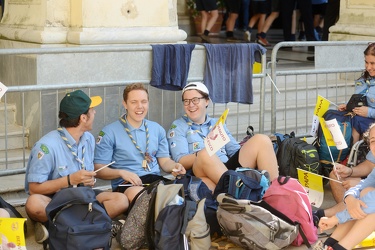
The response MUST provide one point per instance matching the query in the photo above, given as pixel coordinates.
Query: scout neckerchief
(65, 139)
(190, 124)
(146, 156)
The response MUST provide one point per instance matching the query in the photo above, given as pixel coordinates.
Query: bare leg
(36, 207)
(204, 16)
(358, 231)
(258, 153)
(132, 192)
(231, 21)
(114, 203)
(213, 15)
(337, 188)
(208, 168)
(269, 21)
(4, 213)
(355, 135)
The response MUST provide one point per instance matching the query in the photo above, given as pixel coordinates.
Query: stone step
(10, 110)
(14, 138)
(14, 158)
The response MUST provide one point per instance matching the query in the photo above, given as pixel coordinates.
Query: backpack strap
(281, 181)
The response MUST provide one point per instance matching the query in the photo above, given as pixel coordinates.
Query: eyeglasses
(194, 100)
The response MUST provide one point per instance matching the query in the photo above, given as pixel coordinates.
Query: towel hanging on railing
(229, 71)
(170, 65)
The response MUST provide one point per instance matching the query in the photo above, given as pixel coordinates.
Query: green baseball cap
(77, 102)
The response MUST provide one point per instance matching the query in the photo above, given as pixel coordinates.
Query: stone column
(357, 21)
(91, 21)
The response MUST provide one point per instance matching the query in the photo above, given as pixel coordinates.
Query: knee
(122, 201)
(35, 206)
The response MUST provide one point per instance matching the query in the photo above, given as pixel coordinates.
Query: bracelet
(68, 177)
(351, 172)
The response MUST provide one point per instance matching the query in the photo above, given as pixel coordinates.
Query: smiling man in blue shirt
(64, 158)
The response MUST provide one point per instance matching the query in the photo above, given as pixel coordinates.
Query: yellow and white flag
(313, 184)
(12, 234)
(217, 138)
(321, 107)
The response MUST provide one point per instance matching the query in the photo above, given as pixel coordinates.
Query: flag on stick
(313, 184)
(217, 138)
(321, 108)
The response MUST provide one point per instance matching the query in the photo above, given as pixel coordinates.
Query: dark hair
(133, 86)
(369, 51)
(70, 123)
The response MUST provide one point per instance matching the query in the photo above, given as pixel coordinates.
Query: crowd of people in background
(311, 19)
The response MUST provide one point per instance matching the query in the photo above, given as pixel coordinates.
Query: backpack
(244, 183)
(76, 220)
(278, 138)
(133, 234)
(254, 225)
(345, 123)
(295, 153)
(196, 190)
(289, 197)
(175, 222)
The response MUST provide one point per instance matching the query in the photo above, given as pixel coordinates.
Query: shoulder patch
(44, 149)
(173, 126)
(101, 133)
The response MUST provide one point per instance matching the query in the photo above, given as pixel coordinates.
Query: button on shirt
(185, 137)
(51, 158)
(114, 144)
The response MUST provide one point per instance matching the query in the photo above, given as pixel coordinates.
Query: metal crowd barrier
(12, 162)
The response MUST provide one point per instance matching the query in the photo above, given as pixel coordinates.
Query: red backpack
(288, 196)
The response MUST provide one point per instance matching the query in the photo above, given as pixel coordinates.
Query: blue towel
(170, 65)
(229, 71)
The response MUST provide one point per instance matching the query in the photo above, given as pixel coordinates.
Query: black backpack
(295, 153)
(76, 220)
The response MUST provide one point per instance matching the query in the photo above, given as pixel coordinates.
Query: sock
(337, 246)
(292, 37)
(320, 213)
(229, 33)
(249, 29)
(206, 32)
(330, 242)
(262, 35)
(318, 29)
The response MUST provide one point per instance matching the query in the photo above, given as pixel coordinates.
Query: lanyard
(190, 124)
(146, 156)
(62, 134)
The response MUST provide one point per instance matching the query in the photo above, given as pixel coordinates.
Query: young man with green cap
(64, 158)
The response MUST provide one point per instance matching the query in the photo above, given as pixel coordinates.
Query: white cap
(197, 86)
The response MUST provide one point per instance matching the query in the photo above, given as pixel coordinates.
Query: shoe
(205, 39)
(233, 39)
(247, 36)
(116, 227)
(316, 218)
(41, 232)
(319, 245)
(263, 41)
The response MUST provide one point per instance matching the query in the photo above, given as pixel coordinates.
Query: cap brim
(95, 101)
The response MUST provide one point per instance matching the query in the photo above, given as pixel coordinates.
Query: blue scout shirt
(114, 144)
(185, 137)
(367, 87)
(51, 158)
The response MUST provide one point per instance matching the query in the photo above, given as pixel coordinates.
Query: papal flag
(313, 184)
(217, 137)
(12, 234)
(321, 107)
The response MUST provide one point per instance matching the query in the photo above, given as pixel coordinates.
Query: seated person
(356, 222)
(349, 177)
(186, 142)
(64, 157)
(365, 85)
(138, 146)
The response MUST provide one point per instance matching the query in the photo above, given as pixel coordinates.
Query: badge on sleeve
(100, 137)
